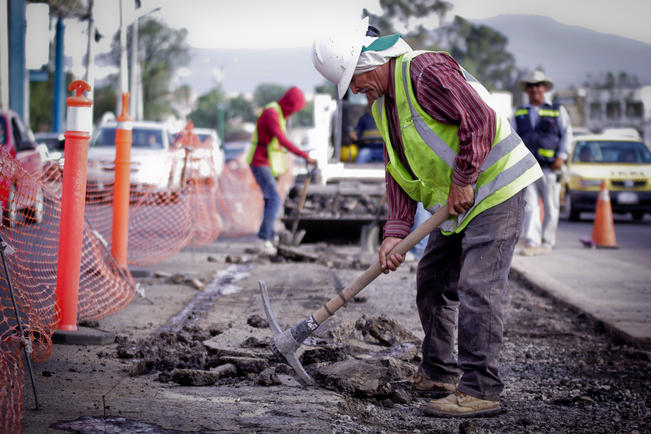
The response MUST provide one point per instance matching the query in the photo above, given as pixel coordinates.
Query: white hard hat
(335, 56)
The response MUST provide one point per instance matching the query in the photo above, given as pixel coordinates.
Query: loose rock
(257, 321)
(194, 377)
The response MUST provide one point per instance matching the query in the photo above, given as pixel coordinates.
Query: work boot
(423, 385)
(530, 251)
(545, 249)
(458, 404)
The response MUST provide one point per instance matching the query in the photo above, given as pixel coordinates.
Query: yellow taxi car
(622, 161)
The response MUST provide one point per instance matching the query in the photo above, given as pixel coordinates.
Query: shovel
(285, 343)
(296, 238)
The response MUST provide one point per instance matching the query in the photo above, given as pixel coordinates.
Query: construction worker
(268, 158)
(444, 143)
(546, 130)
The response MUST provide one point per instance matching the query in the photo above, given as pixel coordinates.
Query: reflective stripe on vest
(549, 113)
(549, 153)
(542, 141)
(508, 168)
(278, 155)
(541, 112)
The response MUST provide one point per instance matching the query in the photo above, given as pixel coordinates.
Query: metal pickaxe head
(285, 343)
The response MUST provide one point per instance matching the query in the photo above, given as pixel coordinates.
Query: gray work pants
(463, 277)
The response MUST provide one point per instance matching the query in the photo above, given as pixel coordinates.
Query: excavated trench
(562, 374)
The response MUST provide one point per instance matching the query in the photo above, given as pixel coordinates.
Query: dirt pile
(370, 358)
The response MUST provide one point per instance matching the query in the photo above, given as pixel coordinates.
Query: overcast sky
(293, 23)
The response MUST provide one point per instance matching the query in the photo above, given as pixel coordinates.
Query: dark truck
(344, 198)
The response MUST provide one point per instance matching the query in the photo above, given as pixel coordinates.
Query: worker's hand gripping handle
(375, 270)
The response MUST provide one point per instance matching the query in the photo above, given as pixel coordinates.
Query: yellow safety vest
(278, 155)
(431, 149)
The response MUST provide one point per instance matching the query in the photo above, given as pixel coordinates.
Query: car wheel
(638, 216)
(35, 213)
(10, 215)
(370, 238)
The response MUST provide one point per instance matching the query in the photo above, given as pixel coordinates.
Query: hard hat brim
(359, 33)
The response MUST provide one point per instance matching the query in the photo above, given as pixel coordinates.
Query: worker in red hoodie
(268, 158)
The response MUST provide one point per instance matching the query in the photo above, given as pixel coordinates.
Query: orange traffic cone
(603, 233)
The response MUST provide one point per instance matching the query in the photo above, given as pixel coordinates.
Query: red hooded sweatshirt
(269, 126)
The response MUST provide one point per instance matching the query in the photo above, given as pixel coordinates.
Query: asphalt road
(633, 238)
(562, 374)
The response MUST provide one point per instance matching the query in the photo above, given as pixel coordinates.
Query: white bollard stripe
(79, 119)
(125, 125)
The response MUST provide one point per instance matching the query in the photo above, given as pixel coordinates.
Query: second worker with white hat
(546, 130)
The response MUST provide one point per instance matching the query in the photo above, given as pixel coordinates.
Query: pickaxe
(285, 343)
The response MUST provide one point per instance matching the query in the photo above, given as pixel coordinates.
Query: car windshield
(608, 152)
(141, 138)
(205, 138)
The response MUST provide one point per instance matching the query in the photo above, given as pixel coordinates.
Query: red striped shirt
(443, 92)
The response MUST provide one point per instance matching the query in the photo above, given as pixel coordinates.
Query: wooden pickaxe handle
(362, 281)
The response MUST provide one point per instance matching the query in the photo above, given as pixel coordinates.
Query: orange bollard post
(603, 232)
(123, 139)
(73, 197)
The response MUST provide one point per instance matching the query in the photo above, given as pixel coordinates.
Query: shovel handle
(301, 201)
(362, 281)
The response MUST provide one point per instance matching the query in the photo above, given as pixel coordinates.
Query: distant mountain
(567, 53)
(244, 69)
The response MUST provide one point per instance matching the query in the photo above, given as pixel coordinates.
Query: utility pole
(17, 67)
(4, 55)
(124, 84)
(135, 91)
(59, 81)
(90, 52)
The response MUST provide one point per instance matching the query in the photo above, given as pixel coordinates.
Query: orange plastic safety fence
(11, 386)
(31, 212)
(197, 202)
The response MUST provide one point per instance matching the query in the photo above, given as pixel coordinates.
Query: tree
(404, 11)
(610, 81)
(41, 100)
(41, 94)
(206, 113)
(305, 117)
(265, 93)
(480, 49)
(328, 89)
(163, 50)
(242, 108)
(104, 99)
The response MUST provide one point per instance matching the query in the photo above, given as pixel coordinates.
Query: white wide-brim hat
(536, 77)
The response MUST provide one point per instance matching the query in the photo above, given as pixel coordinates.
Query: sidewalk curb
(563, 294)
